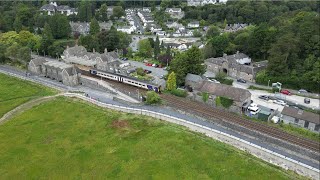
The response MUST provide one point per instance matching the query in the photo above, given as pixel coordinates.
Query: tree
(17, 24)
(94, 27)
(103, 13)
(212, 32)
(118, 11)
(171, 82)
(85, 11)
(209, 51)
(60, 26)
(205, 96)
(47, 38)
(145, 49)
(124, 40)
(108, 39)
(153, 98)
(156, 48)
(140, 71)
(219, 44)
(89, 42)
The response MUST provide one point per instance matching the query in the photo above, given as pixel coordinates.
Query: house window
(296, 120)
(306, 124)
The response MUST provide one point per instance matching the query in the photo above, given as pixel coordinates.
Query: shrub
(179, 93)
(224, 102)
(140, 72)
(205, 96)
(153, 98)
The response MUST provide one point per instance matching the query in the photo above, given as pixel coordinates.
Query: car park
(241, 80)
(264, 97)
(286, 92)
(280, 102)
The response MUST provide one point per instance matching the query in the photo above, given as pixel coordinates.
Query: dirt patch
(120, 124)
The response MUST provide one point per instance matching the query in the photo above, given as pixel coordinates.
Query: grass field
(14, 92)
(69, 139)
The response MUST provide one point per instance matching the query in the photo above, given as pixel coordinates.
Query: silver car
(280, 102)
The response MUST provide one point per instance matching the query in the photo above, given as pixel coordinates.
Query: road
(107, 98)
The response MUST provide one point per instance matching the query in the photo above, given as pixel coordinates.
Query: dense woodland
(286, 33)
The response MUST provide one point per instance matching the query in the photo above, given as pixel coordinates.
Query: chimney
(237, 52)
(224, 55)
(93, 50)
(105, 51)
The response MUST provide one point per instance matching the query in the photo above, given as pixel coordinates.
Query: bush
(153, 98)
(224, 102)
(140, 72)
(179, 93)
(205, 96)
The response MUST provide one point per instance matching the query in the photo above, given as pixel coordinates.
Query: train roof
(129, 77)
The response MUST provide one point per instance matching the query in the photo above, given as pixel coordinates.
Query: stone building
(237, 65)
(240, 97)
(298, 117)
(60, 71)
(193, 81)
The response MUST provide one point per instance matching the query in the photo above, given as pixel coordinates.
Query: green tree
(140, 72)
(212, 32)
(156, 48)
(118, 11)
(124, 40)
(47, 38)
(171, 82)
(209, 51)
(94, 27)
(205, 96)
(89, 42)
(60, 26)
(145, 49)
(17, 24)
(220, 43)
(153, 98)
(85, 11)
(103, 13)
(108, 39)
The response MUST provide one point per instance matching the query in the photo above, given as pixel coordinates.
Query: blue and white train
(126, 80)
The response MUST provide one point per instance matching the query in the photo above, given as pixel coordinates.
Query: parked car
(148, 64)
(303, 91)
(280, 102)
(286, 92)
(214, 80)
(125, 59)
(254, 109)
(275, 119)
(147, 71)
(241, 80)
(307, 100)
(264, 97)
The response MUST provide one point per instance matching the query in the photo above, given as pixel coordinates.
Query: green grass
(14, 92)
(70, 139)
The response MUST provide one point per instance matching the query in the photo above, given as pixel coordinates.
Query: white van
(253, 110)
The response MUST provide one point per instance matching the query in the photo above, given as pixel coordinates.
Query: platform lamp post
(268, 83)
(138, 94)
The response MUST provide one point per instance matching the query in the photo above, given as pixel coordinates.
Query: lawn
(14, 92)
(69, 139)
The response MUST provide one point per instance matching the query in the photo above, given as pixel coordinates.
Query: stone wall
(92, 84)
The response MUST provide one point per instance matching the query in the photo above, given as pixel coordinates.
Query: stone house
(193, 81)
(62, 72)
(237, 65)
(35, 66)
(53, 8)
(194, 24)
(201, 2)
(240, 97)
(234, 27)
(298, 117)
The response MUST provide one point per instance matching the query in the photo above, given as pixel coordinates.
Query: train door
(120, 79)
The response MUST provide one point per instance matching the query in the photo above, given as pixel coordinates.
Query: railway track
(218, 115)
(209, 113)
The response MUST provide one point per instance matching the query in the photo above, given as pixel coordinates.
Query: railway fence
(256, 150)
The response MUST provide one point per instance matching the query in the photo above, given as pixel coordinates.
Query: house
(234, 27)
(35, 65)
(237, 66)
(173, 10)
(298, 117)
(105, 25)
(53, 8)
(192, 81)
(193, 24)
(161, 33)
(146, 9)
(60, 71)
(201, 2)
(80, 27)
(127, 29)
(240, 97)
(174, 25)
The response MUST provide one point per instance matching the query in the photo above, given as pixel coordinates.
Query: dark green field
(14, 92)
(69, 139)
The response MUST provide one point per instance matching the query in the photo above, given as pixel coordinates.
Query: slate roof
(193, 77)
(233, 93)
(63, 8)
(71, 71)
(300, 114)
(38, 61)
(217, 61)
(48, 7)
(173, 9)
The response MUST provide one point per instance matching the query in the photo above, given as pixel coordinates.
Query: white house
(173, 10)
(193, 24)
(202, 2)
(127, 29)
(161, 33)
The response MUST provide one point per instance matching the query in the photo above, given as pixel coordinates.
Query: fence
(314, 171)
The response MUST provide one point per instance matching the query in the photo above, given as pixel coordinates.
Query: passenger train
(126, 80)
